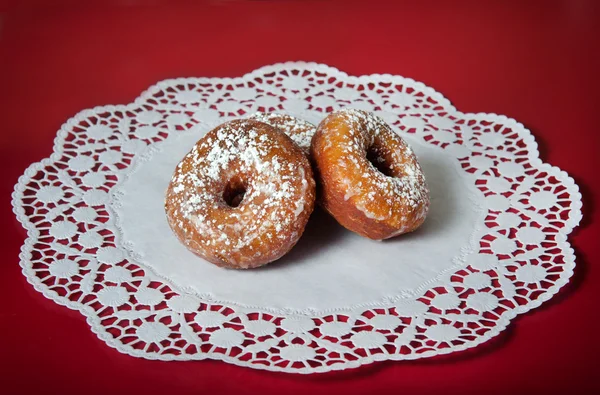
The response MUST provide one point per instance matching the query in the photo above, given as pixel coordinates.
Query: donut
(369, 178)
(242, 196)
(298, 129)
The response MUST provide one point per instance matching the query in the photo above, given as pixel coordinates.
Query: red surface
(534, 61)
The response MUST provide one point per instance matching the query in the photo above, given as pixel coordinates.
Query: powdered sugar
(299, 130)
(392, 198)
(276, 192)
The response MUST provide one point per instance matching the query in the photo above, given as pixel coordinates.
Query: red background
(535, 61)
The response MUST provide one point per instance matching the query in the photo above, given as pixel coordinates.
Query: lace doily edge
(93, 321)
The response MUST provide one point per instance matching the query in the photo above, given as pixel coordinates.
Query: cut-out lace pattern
(74, 256)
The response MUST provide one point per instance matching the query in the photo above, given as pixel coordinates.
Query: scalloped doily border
(94, 321)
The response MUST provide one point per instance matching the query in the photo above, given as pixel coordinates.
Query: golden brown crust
(270, 218)
(358, 195)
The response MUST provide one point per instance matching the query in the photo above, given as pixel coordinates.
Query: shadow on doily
(505, 337)
(443, 209)
(321, 231)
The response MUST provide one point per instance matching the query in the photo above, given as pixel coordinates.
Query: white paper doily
(494, 244)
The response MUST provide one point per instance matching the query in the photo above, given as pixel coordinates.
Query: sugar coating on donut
(395, 203)
(279, 195)
(411, 188)
(299, 130)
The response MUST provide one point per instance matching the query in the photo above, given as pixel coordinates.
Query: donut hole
(234, 192)
(379, 160)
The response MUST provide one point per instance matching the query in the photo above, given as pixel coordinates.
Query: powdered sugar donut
(299, 130)
(242, 196)
(369, 178)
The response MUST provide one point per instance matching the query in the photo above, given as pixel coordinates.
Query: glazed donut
(242, 196)
(369, 178)
(297, 129)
